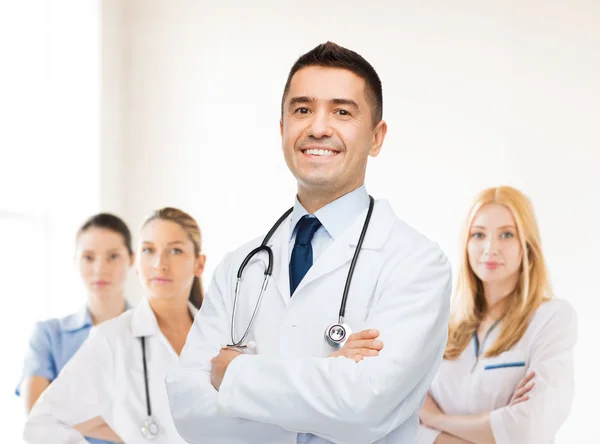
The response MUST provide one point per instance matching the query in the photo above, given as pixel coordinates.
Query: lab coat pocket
(502, 374)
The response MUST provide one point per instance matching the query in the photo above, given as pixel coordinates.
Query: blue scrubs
(52, 344)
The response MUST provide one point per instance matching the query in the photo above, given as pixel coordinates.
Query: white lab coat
(106, 378)
(467, 386)
(401, 286)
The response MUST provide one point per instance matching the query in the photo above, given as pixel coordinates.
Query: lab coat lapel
(341, 251)
(279, 243)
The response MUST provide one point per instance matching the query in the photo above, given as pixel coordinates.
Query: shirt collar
(336, 216)
(77, 321)
(80, 319)
(144, 322)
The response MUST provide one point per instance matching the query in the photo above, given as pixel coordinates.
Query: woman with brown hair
(507, 374)
(103, 256)
(115, 382)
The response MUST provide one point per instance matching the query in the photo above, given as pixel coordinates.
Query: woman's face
(104, 262)
(494, 250)
(167, 262)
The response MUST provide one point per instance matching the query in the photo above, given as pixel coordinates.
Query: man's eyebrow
(349, 102)
(335, 101)
(301, 99)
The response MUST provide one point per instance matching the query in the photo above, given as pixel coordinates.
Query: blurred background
(129, 105)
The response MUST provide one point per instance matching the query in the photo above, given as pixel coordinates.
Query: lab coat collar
(380, 227)
(336, 216)
(144, 323)
(339, 252)
(279, 243)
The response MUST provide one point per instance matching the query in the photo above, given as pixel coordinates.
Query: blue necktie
(302, 254)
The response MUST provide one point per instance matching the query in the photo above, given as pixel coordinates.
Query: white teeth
(320, 152)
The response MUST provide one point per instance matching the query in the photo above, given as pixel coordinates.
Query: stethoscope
(149, 427)
(337, 333)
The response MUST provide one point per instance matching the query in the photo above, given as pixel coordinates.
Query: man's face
(327, 130)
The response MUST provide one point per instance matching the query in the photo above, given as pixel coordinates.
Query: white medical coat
(106, 378)
(469, 386)
(401, 286)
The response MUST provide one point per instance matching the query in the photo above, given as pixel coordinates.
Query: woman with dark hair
(104, 256)
(115, 382)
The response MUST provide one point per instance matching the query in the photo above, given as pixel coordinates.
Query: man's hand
(220, 364)
(359, 345)
(524, 387)
(430, 412)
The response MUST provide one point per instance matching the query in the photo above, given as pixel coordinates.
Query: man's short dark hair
(331, 55)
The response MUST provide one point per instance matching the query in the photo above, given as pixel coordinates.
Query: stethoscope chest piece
(337, 334)
(149, 428)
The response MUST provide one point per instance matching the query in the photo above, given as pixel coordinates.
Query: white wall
(474, 96)
(50, 101)
(114, 78)
(114, 120)
(67, 153)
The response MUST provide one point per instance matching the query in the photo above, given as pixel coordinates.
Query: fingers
(524, 390)
(371, 344)
(526, 379)
(364, 339)
(519, 400)
(524, 387)
(364, 334)
(365, 351)
(360, 345)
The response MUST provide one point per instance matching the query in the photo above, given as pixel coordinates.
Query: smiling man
(298, 374)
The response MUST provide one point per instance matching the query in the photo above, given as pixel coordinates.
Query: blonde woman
(507, 374)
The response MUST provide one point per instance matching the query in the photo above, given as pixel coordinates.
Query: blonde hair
(533, 287)
(191, 228)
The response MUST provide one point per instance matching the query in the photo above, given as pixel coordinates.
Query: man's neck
(314, 199)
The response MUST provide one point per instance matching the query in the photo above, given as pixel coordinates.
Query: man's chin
(316, 183)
